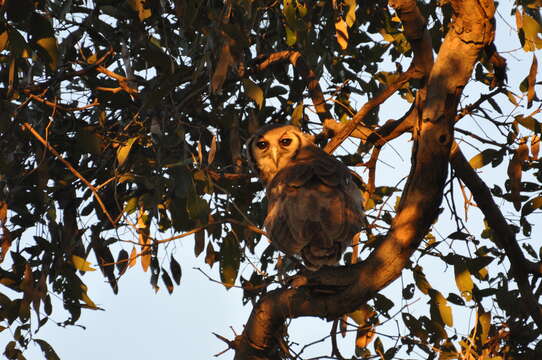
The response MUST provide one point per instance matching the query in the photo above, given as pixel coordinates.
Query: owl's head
(272, 148)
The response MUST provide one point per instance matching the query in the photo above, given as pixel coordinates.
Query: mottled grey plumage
(314, 208)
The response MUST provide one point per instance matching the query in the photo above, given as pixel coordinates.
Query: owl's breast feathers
(314, 208)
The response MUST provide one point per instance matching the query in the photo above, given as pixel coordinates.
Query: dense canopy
(122, 124)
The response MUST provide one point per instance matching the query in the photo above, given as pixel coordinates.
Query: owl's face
(273, 147)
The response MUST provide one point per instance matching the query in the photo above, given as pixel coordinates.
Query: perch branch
(419, 203)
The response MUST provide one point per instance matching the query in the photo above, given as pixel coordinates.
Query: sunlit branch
(504, 236)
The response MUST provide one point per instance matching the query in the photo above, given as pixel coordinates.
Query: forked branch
(419, 203)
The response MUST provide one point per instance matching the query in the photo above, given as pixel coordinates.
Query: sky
(141, 324)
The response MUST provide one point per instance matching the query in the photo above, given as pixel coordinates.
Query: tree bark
(472, 28)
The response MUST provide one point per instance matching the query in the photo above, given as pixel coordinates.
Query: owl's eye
(285, 142)
(262, 145)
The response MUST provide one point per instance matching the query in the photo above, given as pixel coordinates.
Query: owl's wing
(314, 208)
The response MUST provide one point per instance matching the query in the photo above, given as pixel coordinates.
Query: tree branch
(504, 236)
(419, 203)
(313, 84)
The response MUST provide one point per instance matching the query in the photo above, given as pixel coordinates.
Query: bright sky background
(139, 324)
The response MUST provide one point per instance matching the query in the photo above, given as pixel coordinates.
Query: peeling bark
(472, 29)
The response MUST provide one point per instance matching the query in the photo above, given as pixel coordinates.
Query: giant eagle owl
(314, 207)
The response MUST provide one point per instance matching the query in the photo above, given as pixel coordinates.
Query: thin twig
(71, 168)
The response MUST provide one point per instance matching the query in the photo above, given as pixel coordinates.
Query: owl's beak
(275, 156)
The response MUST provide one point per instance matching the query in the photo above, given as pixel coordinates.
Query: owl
(314, 207)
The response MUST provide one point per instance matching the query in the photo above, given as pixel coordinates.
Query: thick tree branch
(503, 234)
(419, 203)
(420, 40)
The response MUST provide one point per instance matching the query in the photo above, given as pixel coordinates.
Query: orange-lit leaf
(167, 281)
(212, 151)
(85, 297)
(463, 280)
(81, 264)
(50, 46)
(364, 337)
(3, 40)
(535, 146)
(514, 172)
(224, 61)
(133, 257)
(483, 158)
(531, 81)
(124, 151)
(139, 6)
(421, 282)
(341, 31)
(253, 91)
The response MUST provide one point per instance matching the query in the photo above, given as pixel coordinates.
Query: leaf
(362, 314)
(455, 299)
(47, 349)
(85, 297)
(483, 158)
(210, 255)
(463, 280)
(531, 28)
(230, 258)
(145, 258)
(81, 264)
(364, 337)
(379, 347)
(440, 311)
(212, 151)
(3, 40)
(531, 205)
(253, 91)
(484, 323)
(494, 105)
(459, 235)
(50, 46)
(124, 151)
(351, 12)
(529, 122)
(139, 6)
(297, 115)
(535, 146)
(291, 36)
(175, 269)
(420, 280)
(341, 32)
(167, 281)
(122, 261)
(133, 257)
(199, 242)
(514, 172)
(512, 98)
(225, 60)
(531, 78)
